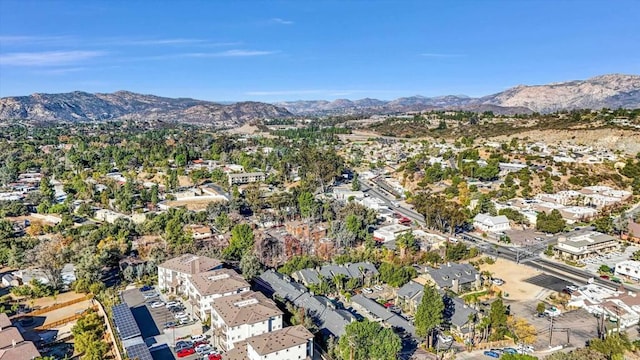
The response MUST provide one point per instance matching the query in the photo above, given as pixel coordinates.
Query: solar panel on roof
(138, 352)
(125, 322)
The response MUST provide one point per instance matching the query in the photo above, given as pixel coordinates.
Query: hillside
(82, 106)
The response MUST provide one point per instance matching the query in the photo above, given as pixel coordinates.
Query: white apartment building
(291, 343)
(239, 317)
(390, 232)
(201, 280)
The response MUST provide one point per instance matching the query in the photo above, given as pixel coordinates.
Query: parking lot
(611, 259)
(548, 282)
(152, 320)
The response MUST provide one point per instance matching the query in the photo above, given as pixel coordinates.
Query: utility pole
(550, 331)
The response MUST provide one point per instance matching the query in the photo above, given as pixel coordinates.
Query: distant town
(417, 235)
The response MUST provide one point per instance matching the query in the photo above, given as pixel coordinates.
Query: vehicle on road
(445, 338)
(605, 277)
(492, 354)
(157, 304)
(572, 287)
(510, 351)
(186, 352)
(213, 356)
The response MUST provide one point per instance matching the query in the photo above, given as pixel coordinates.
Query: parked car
(197, 338)
(150, 295)
(378, 287)
(169, 324)
(186, 352)
(181, 315)
(157, 304)
(367, 291)
(388, 304)
(185, 320)
(552, 311)
(492, 354)
(203, 349)
(445, 338)
(171, 304)
(146, 288)
(215, 356)
(497, 281)
(510, 351)
(181, 345)
(605, 277)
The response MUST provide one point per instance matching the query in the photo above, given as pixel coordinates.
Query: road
(530, 256)
(388, 201)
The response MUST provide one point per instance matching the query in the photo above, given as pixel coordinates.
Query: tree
(46, 189)
(524, 332)
(498, 320)
(406, 242)
(578, 354)
(604, 224)
(241, 241)
(518, 357)
(50, 256)
(541, 307)
(355, 183)
(551, 223)
(613, 346)
(364, 340)
(88, 335)
(430, 313)
(250, 265)
(306, 204)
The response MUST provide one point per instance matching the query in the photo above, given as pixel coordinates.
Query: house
(455, 277)
(331, 321)
(390, 232)
(12, 344)
(246, 178)
(376, 312)
(511, 167)
(488, 223)
(199, 232)
(290, 343)
(307, 276)
(629, 269)
(585, 245)
(408, 297)
(238, 317)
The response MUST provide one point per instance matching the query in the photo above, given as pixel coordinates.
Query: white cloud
(48, 58)
(59, 71)
(25, 39)
(441, 55)
(280, 21)
(155, 42)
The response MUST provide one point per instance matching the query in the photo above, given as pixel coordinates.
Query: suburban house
(408, 297)
(290, 343)
(246, 178)
(183, 276)
(238, 317)
(12, 344)
(366, 272)
(199, 232)
(455, 277)
(488, 223)
(390, 232)
(584, 246)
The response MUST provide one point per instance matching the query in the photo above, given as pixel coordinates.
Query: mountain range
(611, 91)
(82, 106)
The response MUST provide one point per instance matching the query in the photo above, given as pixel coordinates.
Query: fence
(55, 306)
(494, 344)
(64, 320)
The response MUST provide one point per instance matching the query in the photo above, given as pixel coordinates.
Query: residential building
(511, 167)
(578, 213)
(238, 317)
(408, 297)
(199, 232)
(585, 245)
(376, 312)
(629, 269)
(290, 343)
(390, 232)
(488, 223)
(12, 344)
(455, 277)
(174, 274)
(246, 178)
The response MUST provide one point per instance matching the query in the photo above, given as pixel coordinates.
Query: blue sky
(289, 50)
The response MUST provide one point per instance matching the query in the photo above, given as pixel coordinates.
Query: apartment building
(239, 317)
(291, 343)
(246, 178)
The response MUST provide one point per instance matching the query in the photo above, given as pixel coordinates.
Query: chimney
(13, 342)
(195, 265)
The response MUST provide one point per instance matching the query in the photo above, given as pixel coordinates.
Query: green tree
(604, 224)
(613, 346)
(306, 204)
(241, 241)
(250, 265)
(518, 357)
(355, 183)
(541, 307)
(498, 320)
(46, 189)
(550, 223)
(88, 335)
(430, 313)
(548, 185)
(406, 242)
(365, 340)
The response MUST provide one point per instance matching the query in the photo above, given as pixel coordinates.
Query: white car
(378, 287)
(202, 349)
(367, 291)
(196, 338)
(497, 281)
(552, 311)
(150, 295)
(157, 304)
(181, 314)
(445, 338)
(172, 304)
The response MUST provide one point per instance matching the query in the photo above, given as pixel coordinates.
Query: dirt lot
(514, 276)
(194, 205)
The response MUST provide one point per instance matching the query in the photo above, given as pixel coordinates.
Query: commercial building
(584, 246)
(390, 232)
(629, 269)
(488, 223)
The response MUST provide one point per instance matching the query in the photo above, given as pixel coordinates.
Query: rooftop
(247, 308)
(280, 339)
(444, 276)
(191, 264)
(218, 282)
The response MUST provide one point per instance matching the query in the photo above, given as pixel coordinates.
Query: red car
(201, 342)
(215, 357)
(186, 352)
(388, 304)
